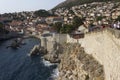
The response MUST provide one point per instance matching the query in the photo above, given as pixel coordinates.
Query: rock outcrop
(74, 63)
(55, 55)
(14, 44)
(77, 65)
(38, 50)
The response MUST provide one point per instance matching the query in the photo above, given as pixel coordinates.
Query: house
(58, 19)
(50, 20)
(82, 29)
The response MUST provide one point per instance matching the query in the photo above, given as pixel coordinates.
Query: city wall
(50, 43)
(105, 48)
(103, 45)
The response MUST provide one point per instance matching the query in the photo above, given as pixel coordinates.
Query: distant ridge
(70, 3)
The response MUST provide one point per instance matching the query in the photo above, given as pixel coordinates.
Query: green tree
(69, 28)
(77, 21)
(63, 29)
(2, 28)
(66, 28)
(57, 26)
(99, 18)
(118, 18)
(42, 13)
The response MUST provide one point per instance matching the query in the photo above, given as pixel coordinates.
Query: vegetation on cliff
(63, 28)
(43, 13)
(68, 28)
(2, 29)
(118, 19)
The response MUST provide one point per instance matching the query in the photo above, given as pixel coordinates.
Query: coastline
(68, 56)
(10, 35)
(65, 64)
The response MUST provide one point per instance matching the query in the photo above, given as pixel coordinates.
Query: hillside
(70, 3)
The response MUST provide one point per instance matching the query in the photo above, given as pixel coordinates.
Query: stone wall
(115, 32)
(50, 41)
(104, 46)
(77, 65)
(60, 38)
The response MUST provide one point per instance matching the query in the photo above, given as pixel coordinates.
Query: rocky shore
(54, 56)
(74, 63)
(38, 50)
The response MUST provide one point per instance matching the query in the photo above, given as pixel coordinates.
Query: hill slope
(70, 3)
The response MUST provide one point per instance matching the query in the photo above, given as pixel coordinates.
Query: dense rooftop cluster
(29, 22)
(97, 13)
(80, 18)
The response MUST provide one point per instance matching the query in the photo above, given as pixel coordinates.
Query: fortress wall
(105, 47)
(61, 38)
(49, 42)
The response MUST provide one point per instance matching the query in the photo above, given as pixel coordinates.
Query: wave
(55, 72)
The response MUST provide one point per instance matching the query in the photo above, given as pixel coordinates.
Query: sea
(16, 64)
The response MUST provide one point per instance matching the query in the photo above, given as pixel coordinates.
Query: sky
(9, 6)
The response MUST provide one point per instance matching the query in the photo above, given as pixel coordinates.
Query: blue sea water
(17, 65)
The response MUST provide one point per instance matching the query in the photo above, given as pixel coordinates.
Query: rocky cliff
(94, 57)
(77, 65)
